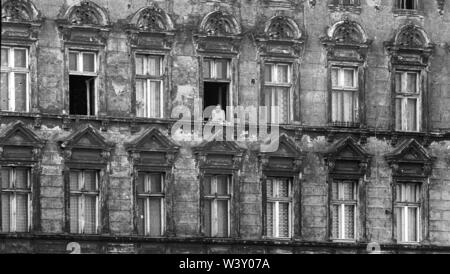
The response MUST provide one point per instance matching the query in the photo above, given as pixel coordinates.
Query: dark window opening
(215, 94)
(406, 4)
(82, 95)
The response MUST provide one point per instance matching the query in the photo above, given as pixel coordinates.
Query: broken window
(216, 85)
(407, 101)
(149, 86)
(217, 197)
(150, 203)
(14, 94)
(84, 201)
(407, 212)
(82, 83)
(277, 91)
(279, 207)
(343, 209)
(406, 4)
(15, 199)
(345, 96)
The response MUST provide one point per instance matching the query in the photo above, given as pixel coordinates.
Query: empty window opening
(215, 94)
(407, 4)
(82, 95)
(216, 86)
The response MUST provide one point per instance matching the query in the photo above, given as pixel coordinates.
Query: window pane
(6, 213)
(348, 191)
(336, 106)
(347, 106)
(400, 225)
(73, 61)
(269, 191)
(268, 73)
(207, 217)
(282, 103)
(222, 69)
(222, 218)
(5, 177)
(268, 102)
(90, 180)
(284, 220)
(349, 221)
(411, 109)
(74, 180)
(398, 82)
(335, 77)
(335, 191)
(283, 73)
(4, 92)
(155, 183)
(270, 222)
(335, 222)
(155, 103)
(21, 213)
(412, 192)
(20, 58)
(398, 114)
(141, 98)
(140, 64)
(349, 78)
(207, 69)
(222, 185)
(4, 57)
(154, 65)
(90, 214)
(74, 214)
(89, 62)
(207, 185)
(155, 217)
(140, 222)
(412, 82)
(283, 188)
(21, 91)
(21, 178)
(412, 224)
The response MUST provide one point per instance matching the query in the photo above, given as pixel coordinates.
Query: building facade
(92, 92)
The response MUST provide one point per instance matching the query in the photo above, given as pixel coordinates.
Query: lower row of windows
(16, 205)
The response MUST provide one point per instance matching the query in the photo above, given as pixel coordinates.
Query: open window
(82, 83)
(216, 83)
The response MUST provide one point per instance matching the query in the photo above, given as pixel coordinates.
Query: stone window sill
(350, 8)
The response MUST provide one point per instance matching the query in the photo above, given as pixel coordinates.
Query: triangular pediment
(225, 147)
(410, 150)
(152, 140)
(348, 148)
(86, 137)
(19, 135)
(286, 148)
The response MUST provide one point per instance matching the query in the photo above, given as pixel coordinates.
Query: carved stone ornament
(151, 19)
(16, 10)
(85, 14)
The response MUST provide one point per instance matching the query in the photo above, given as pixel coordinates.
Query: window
(279, 207)
(82, 83)
(14, 94)
(407, 212)
(343, 209)
(216, 85)
(406, 4)
(217, 197)
(344, 100)
(84, 195)
(149, 86)
(277, 88)
(150, 203)
(345, 2)
(15, 199)
(407, 101)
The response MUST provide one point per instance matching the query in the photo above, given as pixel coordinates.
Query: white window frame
(151, 78)
(404, 95)
(212, 198)
(275, 201)
(342, 88)
(81, 72)
(341, 203)
(10, 70)
(12, 194)
(81, 202)
(213, 68)
(404, 206)
(274, 67)
(146, 196)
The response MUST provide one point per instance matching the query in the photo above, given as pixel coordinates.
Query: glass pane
(89, 62)
(335, 77)
(336, 102)
(398, 114)
(412, 224)
(74, 214)
(335, 191)
(349, 78)
(222, 69)
(207, 185)
(347, 106)
(270, 222)
(140, 182)
(349, 221)
(4, 92)
(335, 222)
(207, 218)
(90, 180)
(284, 220)
(412, 193)
(222, 185)
(348, 191)
(155, 183)
(90, 214)
(282, 103)
(154, 66)
(400, 225)
(5, 172)
(412, 82)
(4, 57)
(20, 58)
(21, 213)
(140, 64)
(155, 217)
(75, 180)
(141, 98)
(140, 222)
(268, 102)
(207, 69)
(6, 213)
(411, 112)
(268, 73)
(22, 178)
(73, 61)
(155, 100)
(398, 82)
(283, 73)
(269, 184)
(21, 91)
(283, 188)
(222, 218)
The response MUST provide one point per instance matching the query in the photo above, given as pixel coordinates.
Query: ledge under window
(354, 7)
(407, 12)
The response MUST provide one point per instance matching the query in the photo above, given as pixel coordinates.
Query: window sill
(350, 8)
(404, 12)
(346, 241)
(345, 124)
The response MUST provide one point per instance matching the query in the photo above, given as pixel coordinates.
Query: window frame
(342, 203)
(404, 206)
(11, 70)
(355, 90)
(289, 85)
(398, 4)
(276, 203)
(404, 97)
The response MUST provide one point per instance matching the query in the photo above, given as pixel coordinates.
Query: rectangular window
(83, 72)
(15, 199)
(406, 4)
(84, 201)
(15, 73)
(216, 84)
(343, 209)
(345, 2)
(279, 207)
(149, 86)
(277, 86)
(407, 101)
(150, 204)
(345, 96)
(217, 198)
(407, 212)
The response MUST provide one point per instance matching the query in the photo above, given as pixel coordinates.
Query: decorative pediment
(19, 11)
(20, 22)
(410, 158)
(86, 13)
(19, 142)
(286, 158)
(282, 28)
(219, 154)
